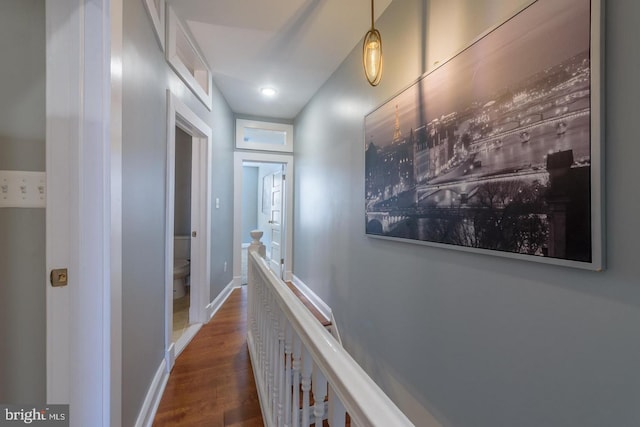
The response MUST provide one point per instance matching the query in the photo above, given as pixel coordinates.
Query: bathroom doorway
(263, 200)
(182, 233)
(187, 241)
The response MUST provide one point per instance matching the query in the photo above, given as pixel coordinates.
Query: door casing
(178, 114)
(83, 212)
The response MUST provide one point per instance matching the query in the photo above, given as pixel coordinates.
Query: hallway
(212, 381)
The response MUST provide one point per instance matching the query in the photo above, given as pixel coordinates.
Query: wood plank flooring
(212, 381)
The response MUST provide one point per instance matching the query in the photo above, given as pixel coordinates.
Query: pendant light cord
(372, 14)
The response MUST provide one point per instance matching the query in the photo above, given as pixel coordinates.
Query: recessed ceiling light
(268, 91)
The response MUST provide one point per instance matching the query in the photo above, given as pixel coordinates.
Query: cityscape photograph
(492, 150)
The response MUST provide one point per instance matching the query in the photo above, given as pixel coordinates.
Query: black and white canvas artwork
(498, 149)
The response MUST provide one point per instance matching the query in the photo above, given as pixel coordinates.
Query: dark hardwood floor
(212, 381)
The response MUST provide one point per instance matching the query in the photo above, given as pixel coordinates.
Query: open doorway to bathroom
(187, 245)
(182, 233)
(266, 204)
(262, 209)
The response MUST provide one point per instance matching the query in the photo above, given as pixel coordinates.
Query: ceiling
(291, 45)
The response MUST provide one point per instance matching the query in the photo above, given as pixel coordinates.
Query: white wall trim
(78, 163)
(237, 280)
(170, 357)
(184, 340)
(154, 395)
(197, 76)
(64, 34)
(157, 16)
(222, 297)
(244, 144)
(313, 298)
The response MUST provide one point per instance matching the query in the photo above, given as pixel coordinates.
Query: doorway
(182, 233)
(262, 203)
(263, 200)
(188, 225)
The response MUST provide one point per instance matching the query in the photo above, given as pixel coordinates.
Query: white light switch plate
(20, 189)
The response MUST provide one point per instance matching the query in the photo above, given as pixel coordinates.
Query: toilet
(181, 265)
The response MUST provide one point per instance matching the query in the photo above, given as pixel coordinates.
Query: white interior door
(198, 182)
(275, 223)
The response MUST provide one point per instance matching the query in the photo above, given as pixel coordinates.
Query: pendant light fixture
(372, 54)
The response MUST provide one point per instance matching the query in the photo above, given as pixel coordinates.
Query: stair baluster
(319, 393)
(280, 372)
(307, 366)
(270, 357)
(337, 413)
(296, 365)
(288, 395)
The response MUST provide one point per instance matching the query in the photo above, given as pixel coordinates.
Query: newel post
(256, 244)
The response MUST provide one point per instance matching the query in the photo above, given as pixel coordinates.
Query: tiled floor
(180, 316)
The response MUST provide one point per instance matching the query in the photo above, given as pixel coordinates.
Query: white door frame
(178, 114)
(82, 358)
(239, 157)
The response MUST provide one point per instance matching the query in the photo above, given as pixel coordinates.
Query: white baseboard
(154, 394)
(215, 305)
(237, 281)
(288, 276)
(186, 338)
(313, 298)
(170, 357)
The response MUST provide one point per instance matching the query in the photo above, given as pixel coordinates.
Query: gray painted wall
(22, 231)
(182, 211)
(249, 201)
(476, 340)
(146, 78)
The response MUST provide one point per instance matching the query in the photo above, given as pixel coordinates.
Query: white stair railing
(297, 361)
